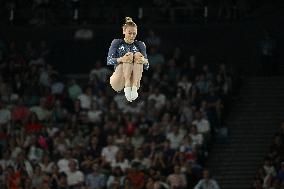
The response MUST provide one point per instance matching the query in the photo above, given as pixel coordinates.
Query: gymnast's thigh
(117, 78)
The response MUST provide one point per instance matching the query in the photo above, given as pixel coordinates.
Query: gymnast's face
(130, 33)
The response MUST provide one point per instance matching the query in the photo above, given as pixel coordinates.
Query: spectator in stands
(135, 177)
(142, 160)
(20, 112)
(75, 178)
(74, 90)
(276, 150)
(137, 139)
(46, 164)
(6, 160)
(86, 98)
(280, 174)
(41, 111)
(13, 178)
(269, 168)
(262, 176)
(175, 136)
(57, 86)
(207, 181)
(202, 125)
(63, 163)
(177, 180)
(258, 184)
(197, 138)
(109, 152)
(158, 97)
(61, 181)
(37, 178)
(96, 179)
(120, 161)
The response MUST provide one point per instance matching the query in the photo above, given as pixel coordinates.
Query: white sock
(127, 93)
(134, 93)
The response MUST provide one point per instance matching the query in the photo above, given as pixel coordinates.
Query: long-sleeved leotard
(119, 48)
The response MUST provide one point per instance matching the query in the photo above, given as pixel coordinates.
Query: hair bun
(128, 19)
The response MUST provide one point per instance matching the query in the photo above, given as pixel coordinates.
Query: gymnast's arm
(142, 48)
(112, 58)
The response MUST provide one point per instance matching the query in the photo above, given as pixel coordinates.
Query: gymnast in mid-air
(129, 58)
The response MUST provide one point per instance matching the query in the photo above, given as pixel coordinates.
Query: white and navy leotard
(119, 48)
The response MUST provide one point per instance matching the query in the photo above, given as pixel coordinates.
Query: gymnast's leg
(117, 78)
(137, 75)
(127, 72)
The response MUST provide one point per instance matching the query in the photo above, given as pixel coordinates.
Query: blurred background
(210, 108)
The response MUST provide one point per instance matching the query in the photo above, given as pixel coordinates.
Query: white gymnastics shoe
(127, 93)
(134, 93)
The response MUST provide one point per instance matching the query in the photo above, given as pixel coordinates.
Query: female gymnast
(128, 56)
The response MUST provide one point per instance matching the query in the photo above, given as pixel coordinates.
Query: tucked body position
(129, 58)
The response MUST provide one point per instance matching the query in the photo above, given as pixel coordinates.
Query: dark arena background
(210, 111)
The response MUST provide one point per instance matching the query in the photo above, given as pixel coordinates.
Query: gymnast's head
(129, 30)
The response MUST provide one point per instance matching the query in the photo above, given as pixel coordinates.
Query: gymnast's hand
(139, 58)
(127, 58)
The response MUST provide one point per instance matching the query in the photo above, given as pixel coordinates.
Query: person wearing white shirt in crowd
(44, 77)
(202, 124)
(75, 177)
(63, 163)
(206, 182)
(40, 110)
(34, 153)
(186, 112)
(197, 138)
(120, 161)
(86, 99)
(24, 164)
(6, 160)
(175, 137)
(137, 139)
(14, 148)
(120, 100)
(185, 84)
(269, 168)
(46, 165)
(141, 159)
(158, 97)
(94, 114)
(109, 152)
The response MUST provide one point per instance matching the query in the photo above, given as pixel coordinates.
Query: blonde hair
(128, 22)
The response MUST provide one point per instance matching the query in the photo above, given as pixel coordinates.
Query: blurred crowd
(270, 175)
(56, 132)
